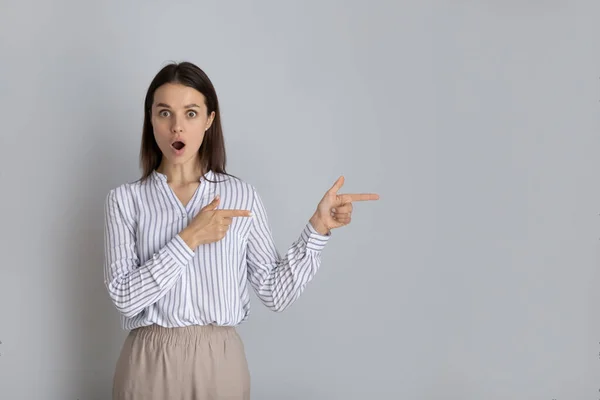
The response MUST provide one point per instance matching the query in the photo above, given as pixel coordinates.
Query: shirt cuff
(179, 250)
(314, 240)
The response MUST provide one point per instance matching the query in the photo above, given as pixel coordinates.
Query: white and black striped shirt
(153, 277)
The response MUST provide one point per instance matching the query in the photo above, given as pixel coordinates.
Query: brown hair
(211, 154)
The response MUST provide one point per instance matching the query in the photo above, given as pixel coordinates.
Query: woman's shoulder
(125, 191)
(233, 182)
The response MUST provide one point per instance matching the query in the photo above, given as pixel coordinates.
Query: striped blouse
(154, 277)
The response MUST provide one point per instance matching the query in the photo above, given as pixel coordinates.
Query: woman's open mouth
(178, 145)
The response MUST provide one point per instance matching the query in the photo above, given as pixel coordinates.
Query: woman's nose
(176, 128)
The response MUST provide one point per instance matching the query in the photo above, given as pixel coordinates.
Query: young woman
(182, 244)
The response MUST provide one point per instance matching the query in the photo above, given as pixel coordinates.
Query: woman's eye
(192, 114)
(164, 113)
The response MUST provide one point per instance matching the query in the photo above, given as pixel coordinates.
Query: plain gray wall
(474, 277)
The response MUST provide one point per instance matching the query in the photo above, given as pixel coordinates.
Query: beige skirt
(190, 363)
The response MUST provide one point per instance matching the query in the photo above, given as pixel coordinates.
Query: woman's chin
(178, 158)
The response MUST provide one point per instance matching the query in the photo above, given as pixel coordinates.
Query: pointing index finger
(347, 198)
(235, 213)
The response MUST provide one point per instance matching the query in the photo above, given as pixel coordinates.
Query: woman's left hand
(335, 210)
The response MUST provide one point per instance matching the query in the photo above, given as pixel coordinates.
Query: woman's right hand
(210, 225)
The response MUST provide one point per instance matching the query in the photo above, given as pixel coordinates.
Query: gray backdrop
(474, 277)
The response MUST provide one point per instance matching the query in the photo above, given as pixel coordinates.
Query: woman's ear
(210, 120)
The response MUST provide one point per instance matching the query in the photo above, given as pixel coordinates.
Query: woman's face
(179, 119)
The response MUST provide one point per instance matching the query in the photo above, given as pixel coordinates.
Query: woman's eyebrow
(168, 106)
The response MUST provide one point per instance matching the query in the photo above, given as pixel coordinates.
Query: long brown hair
(211, 153)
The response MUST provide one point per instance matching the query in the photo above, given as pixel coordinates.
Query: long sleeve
(278, 281)
(131, 286)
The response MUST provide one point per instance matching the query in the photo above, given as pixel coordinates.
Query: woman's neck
(181, 174)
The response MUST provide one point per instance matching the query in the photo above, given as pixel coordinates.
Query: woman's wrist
(188, 238)
(319, 226)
